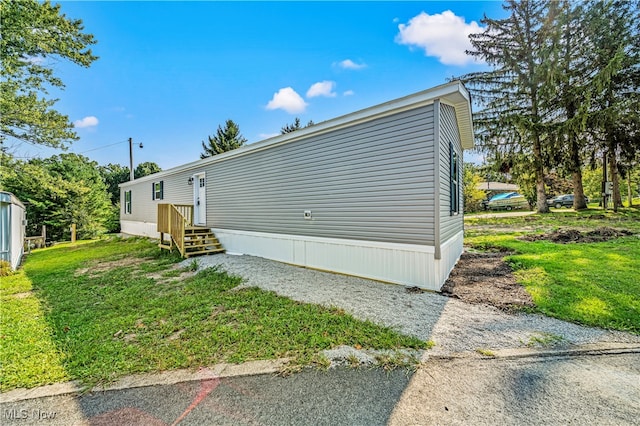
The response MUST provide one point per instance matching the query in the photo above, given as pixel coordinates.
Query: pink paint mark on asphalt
(206, 387)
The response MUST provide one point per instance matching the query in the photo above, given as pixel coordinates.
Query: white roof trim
(454, 94)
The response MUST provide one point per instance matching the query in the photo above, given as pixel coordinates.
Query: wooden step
(212, 240)
(198, 240)
(192, 246)
(195, 253)
(196, 236)
(196, 230)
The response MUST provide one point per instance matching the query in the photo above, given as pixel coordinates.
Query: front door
(199, 199)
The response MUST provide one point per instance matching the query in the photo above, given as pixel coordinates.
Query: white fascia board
(453, 93)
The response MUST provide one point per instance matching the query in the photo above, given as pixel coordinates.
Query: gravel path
(453, 325)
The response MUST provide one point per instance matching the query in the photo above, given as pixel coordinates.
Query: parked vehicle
(508, 201)
(565, 200)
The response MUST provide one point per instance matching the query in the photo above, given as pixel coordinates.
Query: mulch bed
(484, 278)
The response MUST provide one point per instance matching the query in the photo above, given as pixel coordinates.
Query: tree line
(562, 92)
(66, 189)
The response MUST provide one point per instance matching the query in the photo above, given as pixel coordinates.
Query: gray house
(375, 193)
(12, 229)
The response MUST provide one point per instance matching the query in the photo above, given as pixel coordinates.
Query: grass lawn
(596, 284)
(99, 310)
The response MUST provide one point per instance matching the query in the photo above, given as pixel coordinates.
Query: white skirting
(450, 252)
(406, 264)
(144, 229)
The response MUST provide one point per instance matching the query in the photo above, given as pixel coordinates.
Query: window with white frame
(157, 190)
(454, 181)
(127, 202)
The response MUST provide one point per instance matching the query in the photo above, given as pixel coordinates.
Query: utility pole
(130, 159)
(131, 177)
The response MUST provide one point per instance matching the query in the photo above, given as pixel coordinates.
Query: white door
(199, 199)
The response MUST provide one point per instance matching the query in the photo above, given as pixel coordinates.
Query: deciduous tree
(59, 191)
(34, 35)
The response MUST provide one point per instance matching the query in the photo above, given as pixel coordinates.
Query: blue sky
(170, 73)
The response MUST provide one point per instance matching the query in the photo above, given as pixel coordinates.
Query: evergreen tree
(224, 140)
(615, 122)
(514, 95)
(573, 75)
(296, 125)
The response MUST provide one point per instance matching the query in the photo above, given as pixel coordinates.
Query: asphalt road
(532, 390)
(577, 390)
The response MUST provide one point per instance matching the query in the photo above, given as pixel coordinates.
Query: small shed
(13, 223)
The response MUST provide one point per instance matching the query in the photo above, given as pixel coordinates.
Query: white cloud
(288, 100)
(349, 93)
(443, 35)
(89, 121)
(348, 64)
(322, 88)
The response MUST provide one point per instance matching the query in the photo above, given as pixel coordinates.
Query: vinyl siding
(450, 224)
(371, 181)
(144, 207)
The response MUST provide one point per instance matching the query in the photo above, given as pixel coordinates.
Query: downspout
(437, 165)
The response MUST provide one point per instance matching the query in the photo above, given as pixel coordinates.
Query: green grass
(596, 284)
(486, 352)
(96, 321)
(627, 218)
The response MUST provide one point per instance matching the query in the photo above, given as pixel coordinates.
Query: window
(127, 202)
(454, 179)
(157, 190)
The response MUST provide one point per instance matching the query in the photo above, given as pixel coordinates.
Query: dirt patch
(98, 267)
(484, 278)
(22, 295)
(565, 236)
(163, 277)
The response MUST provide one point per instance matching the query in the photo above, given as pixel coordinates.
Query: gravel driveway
(453, 325)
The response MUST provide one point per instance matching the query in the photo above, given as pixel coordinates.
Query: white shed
(13, 222)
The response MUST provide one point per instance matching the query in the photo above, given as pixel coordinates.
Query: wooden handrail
(173, 219)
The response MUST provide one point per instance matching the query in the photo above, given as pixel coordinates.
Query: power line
(104, 146)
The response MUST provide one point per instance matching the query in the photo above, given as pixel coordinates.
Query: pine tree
(514, 95)
(296, 125)
(615, 121)
(224, 140)
(575, 82)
